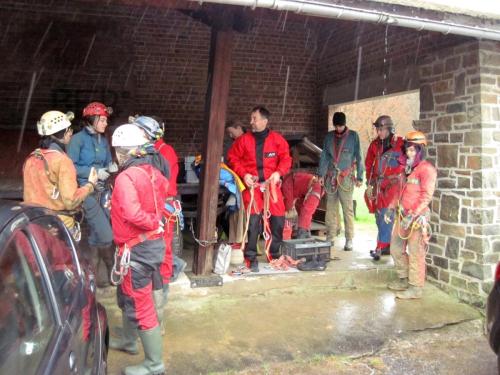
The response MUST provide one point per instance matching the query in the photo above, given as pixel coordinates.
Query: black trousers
(255, 227)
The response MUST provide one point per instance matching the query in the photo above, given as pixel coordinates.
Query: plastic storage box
(309, 248)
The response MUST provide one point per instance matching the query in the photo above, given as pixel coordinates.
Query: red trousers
(135, 293)
(307, 206)
(166, 267)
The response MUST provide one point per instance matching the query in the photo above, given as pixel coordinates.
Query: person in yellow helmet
(411, 231)
(49, 176)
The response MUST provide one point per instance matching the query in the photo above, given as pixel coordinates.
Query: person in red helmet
(411, 231)
(261, 157)
(302, 190)
(138, 223)
(383, 174)
(89, 149)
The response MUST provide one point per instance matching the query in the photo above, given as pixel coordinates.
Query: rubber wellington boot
(413, 292)
(159, 307)
(399, 284)
(128, 341)
(153, 350)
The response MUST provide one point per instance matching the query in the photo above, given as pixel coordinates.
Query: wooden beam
(219, 72)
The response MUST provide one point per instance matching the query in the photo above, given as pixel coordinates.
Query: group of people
(130, 229)
(400, 185)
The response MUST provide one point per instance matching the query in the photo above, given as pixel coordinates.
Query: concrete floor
(342, 320)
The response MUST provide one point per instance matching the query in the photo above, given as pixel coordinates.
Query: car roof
(9, 210)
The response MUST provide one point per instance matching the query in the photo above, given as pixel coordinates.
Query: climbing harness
(269, 193)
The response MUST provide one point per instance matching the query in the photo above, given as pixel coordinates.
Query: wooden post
(219, 72)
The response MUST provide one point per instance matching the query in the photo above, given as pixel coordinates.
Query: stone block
(450, 206)
(456, 138)
(473, 138)
(426, 98)
(441, 138)
(454, 266)
(476, 244)
(440, 262)
(481, 216)
(459, 119)
(458, 282)
(447, 184)
(447, 156)
(444, 123)
(452, 230)
(452, 248)
(463, 183)
(474, 270)
(433, 272)
(474, 162)
(455, 107)
(460, 84)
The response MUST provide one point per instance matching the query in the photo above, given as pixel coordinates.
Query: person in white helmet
(49, 176)
(137, 221)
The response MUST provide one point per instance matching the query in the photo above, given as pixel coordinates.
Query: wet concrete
(344, 312)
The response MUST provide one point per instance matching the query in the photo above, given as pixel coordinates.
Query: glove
(406, 222)
(102, 174)
(389, 214)
(112, 167)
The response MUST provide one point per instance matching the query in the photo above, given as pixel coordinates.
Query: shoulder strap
(152, 180)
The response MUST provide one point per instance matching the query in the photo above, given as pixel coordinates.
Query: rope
(248, 213)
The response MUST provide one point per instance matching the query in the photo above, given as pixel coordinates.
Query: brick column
(460, 97)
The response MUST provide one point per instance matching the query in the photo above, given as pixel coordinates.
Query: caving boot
(152, 343)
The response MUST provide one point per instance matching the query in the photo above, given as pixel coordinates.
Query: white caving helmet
(52, 122)
(128, 135)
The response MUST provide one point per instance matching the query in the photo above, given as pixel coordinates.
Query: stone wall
(460, 113)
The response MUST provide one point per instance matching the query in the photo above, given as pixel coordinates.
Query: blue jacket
(350, 155)
(88, 150)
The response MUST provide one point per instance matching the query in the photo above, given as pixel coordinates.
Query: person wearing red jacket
(154, 129)
(411, 232)
(383, 176)
(261, 157)
(137, 204)
(302, 190)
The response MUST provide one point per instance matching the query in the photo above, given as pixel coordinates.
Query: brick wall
(460, 112)
(150, 60)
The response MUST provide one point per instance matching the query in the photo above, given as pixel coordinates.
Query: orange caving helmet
(416, 137)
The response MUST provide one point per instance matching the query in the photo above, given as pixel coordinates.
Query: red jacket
(296, 185)
(419, 188)
(169, 154)
(275, 156)
(137, 202)
(384, 170)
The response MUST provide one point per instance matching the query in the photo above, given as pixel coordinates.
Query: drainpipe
(327, 10)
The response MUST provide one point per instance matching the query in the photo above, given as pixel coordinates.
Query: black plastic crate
(309, 248)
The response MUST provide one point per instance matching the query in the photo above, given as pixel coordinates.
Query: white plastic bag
(223, 259)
